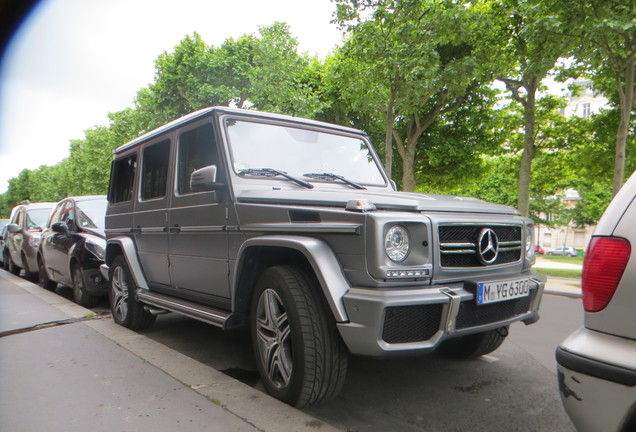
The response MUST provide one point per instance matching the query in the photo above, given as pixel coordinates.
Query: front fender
(126, 247)
(323, 261)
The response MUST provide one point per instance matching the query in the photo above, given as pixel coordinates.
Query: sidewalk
(81, 372)
(560, 286)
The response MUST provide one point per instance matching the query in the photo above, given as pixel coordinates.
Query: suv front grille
(459, 244)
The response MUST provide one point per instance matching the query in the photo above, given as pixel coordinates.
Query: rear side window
(154, 175)
(197, 149)
(123, 179)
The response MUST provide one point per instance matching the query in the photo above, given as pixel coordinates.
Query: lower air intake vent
(404, 324)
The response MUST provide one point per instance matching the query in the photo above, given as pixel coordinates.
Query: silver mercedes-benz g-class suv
(292, 227)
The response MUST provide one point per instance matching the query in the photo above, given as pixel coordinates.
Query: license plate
(492, 292)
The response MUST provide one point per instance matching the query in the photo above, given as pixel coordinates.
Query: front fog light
(396, 243)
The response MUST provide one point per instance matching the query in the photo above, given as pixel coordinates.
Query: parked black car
(72, 248)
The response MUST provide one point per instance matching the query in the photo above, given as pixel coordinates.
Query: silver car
(597, 363)
(23, 237)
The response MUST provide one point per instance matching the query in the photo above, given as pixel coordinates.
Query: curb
(256, 408)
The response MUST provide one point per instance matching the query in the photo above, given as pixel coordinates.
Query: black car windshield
(297, 151)
(36, 218)
(91, 214)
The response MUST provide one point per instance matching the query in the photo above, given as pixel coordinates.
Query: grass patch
(563, 259)
(564, 273)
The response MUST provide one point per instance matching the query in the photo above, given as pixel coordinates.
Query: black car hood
(383, 200)
(99, 232)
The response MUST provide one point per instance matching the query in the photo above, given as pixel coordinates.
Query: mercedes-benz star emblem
(488, 245)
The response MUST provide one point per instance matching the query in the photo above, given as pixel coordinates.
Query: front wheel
(474, 345)
(13, 268)
(126, 309)
(80, 293)
(298, 350)
(45, 282)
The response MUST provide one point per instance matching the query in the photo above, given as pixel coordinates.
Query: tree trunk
(525, 167)
(626, 103)
(408, 172)
(388, 141)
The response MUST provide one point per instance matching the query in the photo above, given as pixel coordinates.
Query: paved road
(513, 390)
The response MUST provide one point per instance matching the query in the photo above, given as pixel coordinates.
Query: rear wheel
(126, 309)
(82, 297)
(298, 350)
(475, 345)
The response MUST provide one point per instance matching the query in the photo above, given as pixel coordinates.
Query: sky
(74, 61)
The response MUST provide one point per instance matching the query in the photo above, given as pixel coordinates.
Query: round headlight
(396, 243)
(529, 239)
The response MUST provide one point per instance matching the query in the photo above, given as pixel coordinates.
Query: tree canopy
(452, 93)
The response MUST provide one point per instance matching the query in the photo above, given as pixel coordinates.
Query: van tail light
(603, 267)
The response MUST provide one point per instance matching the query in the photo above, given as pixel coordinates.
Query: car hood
(99, 232)
(383, 200)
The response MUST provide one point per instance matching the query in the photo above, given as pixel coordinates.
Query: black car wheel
(126, 309)
(29, 275)
(14, 269)
(81, 295)
(298, 350)
(45, 282)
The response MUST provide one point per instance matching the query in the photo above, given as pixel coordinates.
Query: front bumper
(597, 380)
(383, 322)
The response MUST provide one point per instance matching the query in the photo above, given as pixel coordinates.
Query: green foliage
(416, 76)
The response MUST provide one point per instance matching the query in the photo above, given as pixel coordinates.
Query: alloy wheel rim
(120, 294)
(273, 338)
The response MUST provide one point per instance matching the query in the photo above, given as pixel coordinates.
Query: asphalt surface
(109, 378)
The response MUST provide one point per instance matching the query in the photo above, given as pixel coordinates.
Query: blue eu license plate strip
(493, 292)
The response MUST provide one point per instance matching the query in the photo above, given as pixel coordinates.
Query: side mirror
(13, 228)
(60, 228)
(204, 179)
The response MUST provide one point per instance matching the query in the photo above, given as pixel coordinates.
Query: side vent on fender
(298, 216)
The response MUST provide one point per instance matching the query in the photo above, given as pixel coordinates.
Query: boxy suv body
(292, 227)
(23, 237)
(597, 363)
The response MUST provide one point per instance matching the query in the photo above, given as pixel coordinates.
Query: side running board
(225, 320)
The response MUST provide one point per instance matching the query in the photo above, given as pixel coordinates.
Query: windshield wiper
(331, 176)
(269, 172)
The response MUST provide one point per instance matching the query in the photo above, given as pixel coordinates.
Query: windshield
(36, 218)
(300, 151)
(91, 214)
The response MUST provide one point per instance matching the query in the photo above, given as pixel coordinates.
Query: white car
(597, 363)
(565, 251)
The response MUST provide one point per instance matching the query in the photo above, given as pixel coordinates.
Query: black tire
(31, 276)
(300, 355)
(45, 282)
(13, 268)
(475, 345)
(81, 295)
(126, 309)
